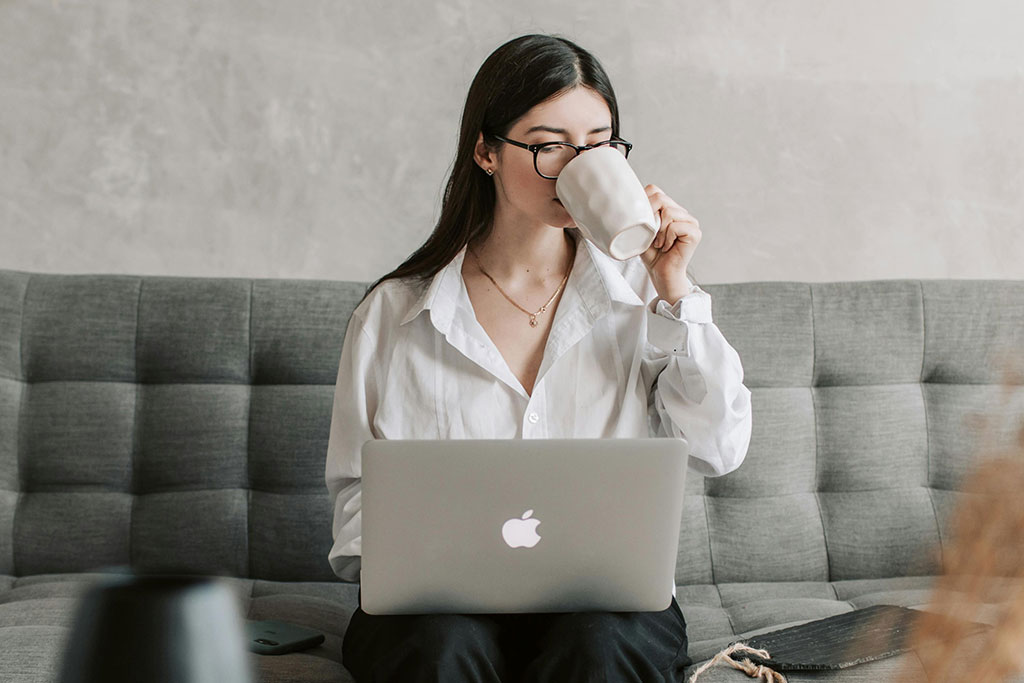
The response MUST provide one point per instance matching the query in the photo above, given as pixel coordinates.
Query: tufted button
(534, 418)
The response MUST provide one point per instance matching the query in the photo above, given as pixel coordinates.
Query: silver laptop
(520, 525)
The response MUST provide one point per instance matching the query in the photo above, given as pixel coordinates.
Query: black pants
(648, 647)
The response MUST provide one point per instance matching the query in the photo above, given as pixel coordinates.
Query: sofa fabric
(180, 424)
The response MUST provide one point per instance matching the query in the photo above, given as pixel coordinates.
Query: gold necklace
(533, 316)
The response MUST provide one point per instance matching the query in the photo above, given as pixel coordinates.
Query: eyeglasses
(549, 158)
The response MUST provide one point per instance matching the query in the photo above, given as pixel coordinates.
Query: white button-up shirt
(416, 364)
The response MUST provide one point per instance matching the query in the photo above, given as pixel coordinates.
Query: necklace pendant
(533, 321)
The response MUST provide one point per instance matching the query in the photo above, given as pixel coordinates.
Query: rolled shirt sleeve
(355, 401)
(698, 392)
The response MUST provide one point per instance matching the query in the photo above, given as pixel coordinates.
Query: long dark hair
(517, 76)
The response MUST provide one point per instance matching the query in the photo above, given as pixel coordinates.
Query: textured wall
(311, 139)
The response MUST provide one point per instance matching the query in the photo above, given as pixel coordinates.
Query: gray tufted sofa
(180, 425)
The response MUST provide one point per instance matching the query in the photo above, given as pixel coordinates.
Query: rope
(758, 671)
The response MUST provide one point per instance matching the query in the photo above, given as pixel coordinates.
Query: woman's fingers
(675, 228)
(670, 235)
(687, 231)
(674, 220)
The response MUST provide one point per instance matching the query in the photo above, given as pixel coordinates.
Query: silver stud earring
(490, 172)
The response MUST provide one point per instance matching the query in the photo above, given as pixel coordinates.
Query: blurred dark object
(185, 629)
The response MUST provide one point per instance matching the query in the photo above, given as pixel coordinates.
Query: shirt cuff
(667, 324)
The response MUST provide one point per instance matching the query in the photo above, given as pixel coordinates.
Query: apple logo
(521, 533)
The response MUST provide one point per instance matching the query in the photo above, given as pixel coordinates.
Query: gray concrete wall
(311, 138)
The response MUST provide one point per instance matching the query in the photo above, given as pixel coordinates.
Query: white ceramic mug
(603, 195)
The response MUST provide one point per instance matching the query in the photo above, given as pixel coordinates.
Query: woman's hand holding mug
(624, 219)
(669, 254)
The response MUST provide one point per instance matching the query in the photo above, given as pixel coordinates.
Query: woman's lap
(611, 646)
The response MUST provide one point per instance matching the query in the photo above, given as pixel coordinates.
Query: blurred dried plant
(983, 578)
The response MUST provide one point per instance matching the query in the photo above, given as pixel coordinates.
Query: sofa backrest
(865, 401)
(174, 424)
(181, 424)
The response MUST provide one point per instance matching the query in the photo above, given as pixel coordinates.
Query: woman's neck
(523, 257)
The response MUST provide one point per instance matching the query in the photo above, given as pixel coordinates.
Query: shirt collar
(441, 294)
(597, 277)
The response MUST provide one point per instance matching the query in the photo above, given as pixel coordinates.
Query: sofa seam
(920, 384)
(725, 609)
(21, 332)
(248, 441)
(21, 419)
(252, 289)
(814, 412)
(927, 434)
(135, 417)
(711, 555)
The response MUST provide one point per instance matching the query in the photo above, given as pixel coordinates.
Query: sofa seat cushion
(36, 613)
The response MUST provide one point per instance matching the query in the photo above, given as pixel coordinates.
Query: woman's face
(579, 116)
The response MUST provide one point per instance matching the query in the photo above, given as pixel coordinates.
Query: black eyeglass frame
(578, 148)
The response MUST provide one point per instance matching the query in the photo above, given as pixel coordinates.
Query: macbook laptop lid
(520, 525)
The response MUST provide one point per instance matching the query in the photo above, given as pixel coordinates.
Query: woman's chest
(457, 385)
(520, 343)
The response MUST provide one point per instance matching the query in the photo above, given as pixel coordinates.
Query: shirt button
(534, 418)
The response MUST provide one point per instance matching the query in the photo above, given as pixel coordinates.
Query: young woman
(506, 323)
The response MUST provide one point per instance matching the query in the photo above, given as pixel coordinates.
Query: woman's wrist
(673, 291)
(673, 288)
